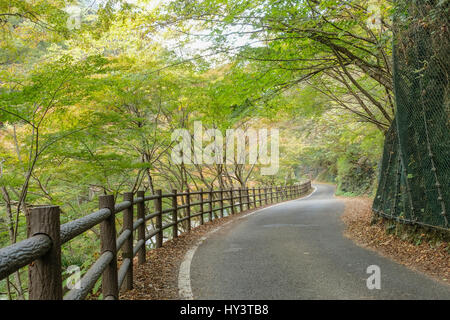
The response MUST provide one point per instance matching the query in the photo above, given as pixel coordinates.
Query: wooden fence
(41, 251)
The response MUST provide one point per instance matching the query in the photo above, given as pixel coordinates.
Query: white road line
(184, 274)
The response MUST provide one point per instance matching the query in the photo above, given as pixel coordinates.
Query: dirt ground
(431, 257)
(157, 279)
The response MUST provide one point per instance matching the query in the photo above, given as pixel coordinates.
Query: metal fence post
(110, 285)
(45, 281)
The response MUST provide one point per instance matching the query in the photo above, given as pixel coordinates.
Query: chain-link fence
(414, 184)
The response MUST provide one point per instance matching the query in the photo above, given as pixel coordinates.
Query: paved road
(296, 250)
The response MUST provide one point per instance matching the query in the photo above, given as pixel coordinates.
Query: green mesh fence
(414, 184)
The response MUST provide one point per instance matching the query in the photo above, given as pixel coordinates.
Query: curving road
(296, 250)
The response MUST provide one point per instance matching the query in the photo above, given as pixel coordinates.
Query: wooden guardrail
(41, 251)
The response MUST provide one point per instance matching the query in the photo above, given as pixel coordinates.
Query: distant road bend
(296, 250)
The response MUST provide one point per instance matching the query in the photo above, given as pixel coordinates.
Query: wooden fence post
(188, 209)
(175, 214)
(241, 205)
(247, 193)
(110, 285)
(158, 208)
(45, 281)
(202, 221)
(141, 229)
(254, 198)
(127, 251)
(266, 198)
(221, 202)
(232, 201)
(210, 198)
(259, 196)
(271, 194)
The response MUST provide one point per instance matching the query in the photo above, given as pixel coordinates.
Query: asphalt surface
(296, 250)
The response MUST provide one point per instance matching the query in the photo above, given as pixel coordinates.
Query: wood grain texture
(20, 254)
(45, 280)
(175, 214)
(140, 207)
(110, 286)
(158, 208)
(127, 251)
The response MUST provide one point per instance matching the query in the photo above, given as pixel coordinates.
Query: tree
(295, 42)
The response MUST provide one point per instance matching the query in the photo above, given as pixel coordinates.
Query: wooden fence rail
(41, 251)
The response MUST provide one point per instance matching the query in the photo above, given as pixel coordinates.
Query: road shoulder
(431, 259)
(157, 279)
